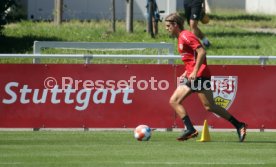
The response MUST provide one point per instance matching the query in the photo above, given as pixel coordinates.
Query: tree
(4, 6)
(113, 18)
(129, 16)
(58, 11)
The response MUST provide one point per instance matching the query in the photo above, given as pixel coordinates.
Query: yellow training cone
(205, 136)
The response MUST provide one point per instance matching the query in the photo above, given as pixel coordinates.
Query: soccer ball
(142, 133)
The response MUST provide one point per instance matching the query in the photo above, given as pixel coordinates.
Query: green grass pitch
(119, 149)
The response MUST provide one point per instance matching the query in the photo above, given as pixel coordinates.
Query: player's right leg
(181, 92)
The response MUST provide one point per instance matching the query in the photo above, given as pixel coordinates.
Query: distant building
(261, 6)
(100, 9)
(250, 6)
(92, 9)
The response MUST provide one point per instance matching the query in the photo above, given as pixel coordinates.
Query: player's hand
(192, 76)
(183, 76)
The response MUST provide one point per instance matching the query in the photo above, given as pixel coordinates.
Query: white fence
(39, 45)
(169, 55)
(171, 58)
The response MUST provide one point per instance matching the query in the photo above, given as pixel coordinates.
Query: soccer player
(196, 78)
(194, 10)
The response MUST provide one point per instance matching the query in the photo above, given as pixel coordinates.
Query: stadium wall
(124, 96)
(87, 10)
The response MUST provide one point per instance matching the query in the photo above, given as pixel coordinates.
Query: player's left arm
(201, 54)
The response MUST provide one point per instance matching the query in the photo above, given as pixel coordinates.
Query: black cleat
(242, 131)
(187, 134)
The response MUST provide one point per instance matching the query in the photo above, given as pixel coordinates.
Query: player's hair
(176, 18)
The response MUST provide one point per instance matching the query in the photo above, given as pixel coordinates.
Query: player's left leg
(206, 98)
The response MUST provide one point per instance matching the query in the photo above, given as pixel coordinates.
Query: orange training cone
(205, 136)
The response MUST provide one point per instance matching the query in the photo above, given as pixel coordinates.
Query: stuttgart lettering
(81, 98)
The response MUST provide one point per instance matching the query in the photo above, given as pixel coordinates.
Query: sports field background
(119, 148)
(231, 33)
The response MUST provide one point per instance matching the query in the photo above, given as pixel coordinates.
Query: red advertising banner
(117, 96)
(85, 95)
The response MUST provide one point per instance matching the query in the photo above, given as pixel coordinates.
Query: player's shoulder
(187, 35)
(187, 32)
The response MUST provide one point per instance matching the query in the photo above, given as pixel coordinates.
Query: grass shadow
(240, 17)
(20, 44)
(246, 141)
(240, 34)
(263, 142)
(237, 46)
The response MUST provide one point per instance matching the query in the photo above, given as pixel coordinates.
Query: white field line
(10, 163)
(193, 163)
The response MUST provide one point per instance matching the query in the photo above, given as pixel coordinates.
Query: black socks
(187, 122)
(234, 122)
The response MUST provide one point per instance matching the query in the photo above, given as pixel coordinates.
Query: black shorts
(201, 83)
(193, 10)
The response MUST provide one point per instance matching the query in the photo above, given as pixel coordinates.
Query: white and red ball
(142, 133)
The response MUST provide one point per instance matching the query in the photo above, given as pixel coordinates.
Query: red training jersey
(187, 45)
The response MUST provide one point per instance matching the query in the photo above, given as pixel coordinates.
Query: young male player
(196, 72)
